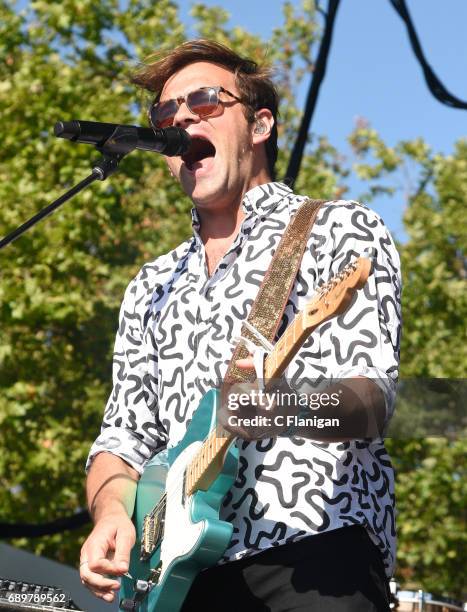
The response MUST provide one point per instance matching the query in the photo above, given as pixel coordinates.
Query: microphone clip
(123, 141)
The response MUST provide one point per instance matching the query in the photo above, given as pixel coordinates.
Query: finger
(239, 432)
(104, 566)
(96, 581)
(125, 541)
(245, 363)
(99, 551)
(97, 591)
(109, 597)
(105, 595)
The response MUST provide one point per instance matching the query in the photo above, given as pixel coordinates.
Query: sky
(373, 73)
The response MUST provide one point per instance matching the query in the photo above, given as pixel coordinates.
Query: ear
(262, 126)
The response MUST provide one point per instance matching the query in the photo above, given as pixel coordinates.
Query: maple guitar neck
(332, 299)
(286, 348)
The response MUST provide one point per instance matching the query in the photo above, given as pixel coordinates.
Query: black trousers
(336, 571)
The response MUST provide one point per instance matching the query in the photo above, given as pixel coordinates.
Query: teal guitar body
(177, 534)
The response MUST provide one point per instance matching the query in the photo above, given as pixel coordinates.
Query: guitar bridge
(153, 530)
(147, 539)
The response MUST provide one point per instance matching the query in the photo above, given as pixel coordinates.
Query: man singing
(313, 520)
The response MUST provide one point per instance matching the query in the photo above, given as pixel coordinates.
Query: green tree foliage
(431, 484)
(63, 281)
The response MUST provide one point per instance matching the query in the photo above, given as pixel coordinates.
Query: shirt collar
(262, 199)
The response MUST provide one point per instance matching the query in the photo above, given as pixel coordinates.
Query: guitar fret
(201, 461)
(213, 443)
(299, 325)
(287, 339)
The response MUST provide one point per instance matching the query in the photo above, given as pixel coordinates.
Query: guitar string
(162, 505)
(176, 491)
(180, 483)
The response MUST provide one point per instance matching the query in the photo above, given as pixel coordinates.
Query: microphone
(124, 138)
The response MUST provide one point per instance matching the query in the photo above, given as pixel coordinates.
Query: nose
(184, 116)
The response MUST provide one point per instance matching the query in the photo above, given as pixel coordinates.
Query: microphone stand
(113, 151)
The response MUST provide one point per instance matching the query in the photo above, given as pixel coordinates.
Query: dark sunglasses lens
(203, 102)
(163, 113)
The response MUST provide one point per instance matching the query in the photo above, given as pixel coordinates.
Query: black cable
(27, 530)
(434, 84)
(312, 97)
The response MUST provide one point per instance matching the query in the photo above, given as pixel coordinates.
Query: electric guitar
(180, 493)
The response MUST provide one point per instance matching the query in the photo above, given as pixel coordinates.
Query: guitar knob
(141, 586)
(128, 604)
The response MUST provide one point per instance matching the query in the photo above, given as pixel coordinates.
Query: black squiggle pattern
(276, 534)
(253, 513)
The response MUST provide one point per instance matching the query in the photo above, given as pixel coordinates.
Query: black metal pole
(106, 166)
(48, 209)
(318, 76)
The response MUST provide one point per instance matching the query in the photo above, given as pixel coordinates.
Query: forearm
(359, 410)
(110, 486)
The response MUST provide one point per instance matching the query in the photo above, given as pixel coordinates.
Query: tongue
(202, 163)
(199, 153)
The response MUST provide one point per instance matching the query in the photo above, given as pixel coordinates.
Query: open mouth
(200, 149)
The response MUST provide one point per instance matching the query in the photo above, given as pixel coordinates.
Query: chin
(205, 198)
(202, 190)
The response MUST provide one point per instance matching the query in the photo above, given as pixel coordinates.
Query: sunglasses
(202, 102)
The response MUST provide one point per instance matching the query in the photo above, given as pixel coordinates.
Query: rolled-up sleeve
(365, 339)
(131, 428)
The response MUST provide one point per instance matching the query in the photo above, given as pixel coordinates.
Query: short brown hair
(253, 81)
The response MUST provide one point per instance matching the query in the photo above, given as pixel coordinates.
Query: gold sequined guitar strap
(267, 309)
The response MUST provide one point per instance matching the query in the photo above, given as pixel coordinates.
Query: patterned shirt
(174, 344)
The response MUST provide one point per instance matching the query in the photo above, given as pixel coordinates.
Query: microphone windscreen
(178, 141)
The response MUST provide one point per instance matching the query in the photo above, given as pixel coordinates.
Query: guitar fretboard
(208, 462)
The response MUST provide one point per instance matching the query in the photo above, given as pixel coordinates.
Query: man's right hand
(106, 553)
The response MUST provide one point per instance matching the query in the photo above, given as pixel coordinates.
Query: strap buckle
(251, 346)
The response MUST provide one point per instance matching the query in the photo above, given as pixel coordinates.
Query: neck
(221, 224)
